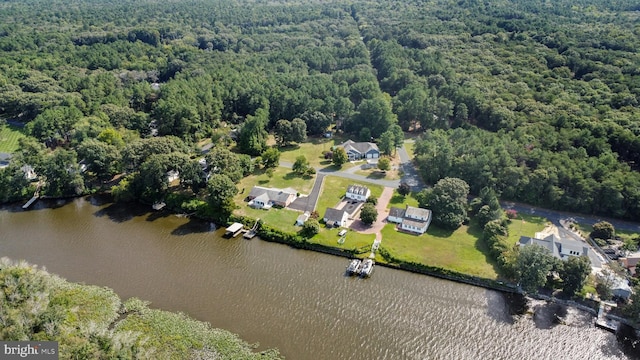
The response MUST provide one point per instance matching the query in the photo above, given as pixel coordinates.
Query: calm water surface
(297, 301)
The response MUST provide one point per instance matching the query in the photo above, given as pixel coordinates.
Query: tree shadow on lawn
(397, 199)
(480, 245)
(436, 231)
(377, 175)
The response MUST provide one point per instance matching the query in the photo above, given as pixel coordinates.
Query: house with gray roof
(358, 192)
(559, 248)
(412, 219)
(264, 198)
(360, 150)
(335, 217)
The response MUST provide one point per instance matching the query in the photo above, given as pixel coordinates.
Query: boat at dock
(234, 230)
(354, 267)
(367, 268)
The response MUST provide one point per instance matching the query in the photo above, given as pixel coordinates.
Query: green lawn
(461, 250)
(409, 146)
(379, 175)
(334, 189)
(354, 240)
(9, 136)
(525, 225)
(282, 178)
(312, 150)
(401, 202)
(282, 219)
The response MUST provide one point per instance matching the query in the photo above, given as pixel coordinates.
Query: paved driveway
(381, 207)
(308, 203)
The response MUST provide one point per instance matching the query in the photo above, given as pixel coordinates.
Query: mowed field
(9, 136)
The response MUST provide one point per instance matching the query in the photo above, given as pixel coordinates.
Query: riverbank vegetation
(91, 322)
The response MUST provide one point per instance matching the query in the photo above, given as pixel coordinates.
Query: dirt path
(381, 207)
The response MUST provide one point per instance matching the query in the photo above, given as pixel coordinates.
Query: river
(297, 301)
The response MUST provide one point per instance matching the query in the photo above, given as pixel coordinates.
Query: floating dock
(253, 231)
(234, 230)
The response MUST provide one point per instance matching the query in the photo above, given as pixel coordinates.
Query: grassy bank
(9, 136)
(461, 250)
(91, 322)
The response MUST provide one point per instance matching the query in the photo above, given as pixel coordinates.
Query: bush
(310, 228)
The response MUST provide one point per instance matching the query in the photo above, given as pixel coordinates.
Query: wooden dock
(36, 196)
(30, 202)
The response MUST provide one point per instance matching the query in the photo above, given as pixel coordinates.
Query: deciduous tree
(533, 265)
(384, 164)
(448, 201)
(574, 272)
(339, 157)
(301, 166)
(270, 158)
(368, 214)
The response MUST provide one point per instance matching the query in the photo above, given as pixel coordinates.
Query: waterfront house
(360, 150)
(358, 192)
(264, 198)
(395, 215)
(559, 248)
(173, 175)
(412, 219)
(29, 172)
(335, 217)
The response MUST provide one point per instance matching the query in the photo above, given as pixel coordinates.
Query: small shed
(302, 218)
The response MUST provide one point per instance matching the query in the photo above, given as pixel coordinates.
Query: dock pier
(36, 196)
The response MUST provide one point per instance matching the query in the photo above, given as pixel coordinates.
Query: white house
(358, 192)
(29, 172)
(411, 219)
(173, 175)
(360, 150)
(396, 215)
(335, 217)
(264, 198)
(559, 248)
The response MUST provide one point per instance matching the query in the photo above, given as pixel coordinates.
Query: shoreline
(269, 234)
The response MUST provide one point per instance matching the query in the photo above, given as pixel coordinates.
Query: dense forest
(537, 100)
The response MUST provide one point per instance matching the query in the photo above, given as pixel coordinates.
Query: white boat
(367, 267)
(353, 267)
